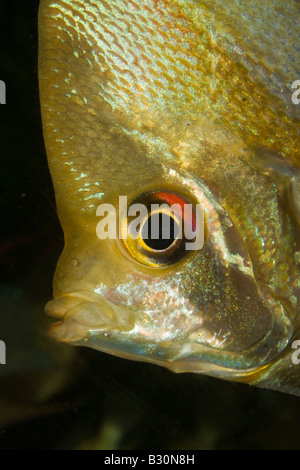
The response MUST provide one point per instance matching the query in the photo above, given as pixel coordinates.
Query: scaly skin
(192, 97)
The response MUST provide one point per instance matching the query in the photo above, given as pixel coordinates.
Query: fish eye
(154, 229)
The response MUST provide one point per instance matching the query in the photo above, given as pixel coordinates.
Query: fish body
(189, 101)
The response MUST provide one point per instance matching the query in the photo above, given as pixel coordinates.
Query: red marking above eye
(186, 210)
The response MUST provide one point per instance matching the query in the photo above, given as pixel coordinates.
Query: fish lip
(59, 306)
(81, 313)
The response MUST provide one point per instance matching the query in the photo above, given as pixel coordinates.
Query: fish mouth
(88, 319)
(84, 313)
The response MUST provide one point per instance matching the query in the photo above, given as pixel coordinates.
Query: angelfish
(185, 101)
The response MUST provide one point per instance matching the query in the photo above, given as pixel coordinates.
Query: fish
(189, 102)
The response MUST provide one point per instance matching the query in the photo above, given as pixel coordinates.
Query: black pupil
(158, 232)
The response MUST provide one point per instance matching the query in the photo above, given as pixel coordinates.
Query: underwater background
(53, 396)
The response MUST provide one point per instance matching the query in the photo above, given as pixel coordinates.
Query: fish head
(140, 105)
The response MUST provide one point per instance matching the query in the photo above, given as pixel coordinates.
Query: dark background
(54, 396)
